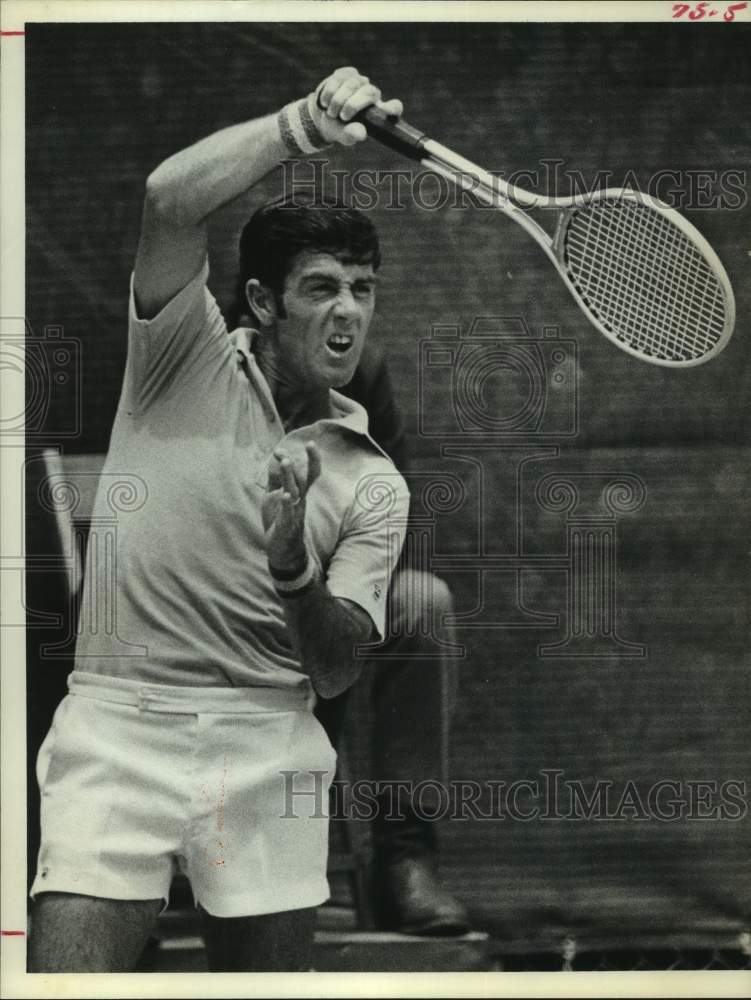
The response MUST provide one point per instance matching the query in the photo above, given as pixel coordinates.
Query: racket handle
(391, 131)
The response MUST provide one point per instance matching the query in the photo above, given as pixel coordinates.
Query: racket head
(645, 277)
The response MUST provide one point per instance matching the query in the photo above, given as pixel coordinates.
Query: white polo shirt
(192, 600)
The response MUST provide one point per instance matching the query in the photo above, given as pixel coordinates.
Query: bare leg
(73, 933)
(273, 942)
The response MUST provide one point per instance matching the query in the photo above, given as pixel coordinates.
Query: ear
(261, 301)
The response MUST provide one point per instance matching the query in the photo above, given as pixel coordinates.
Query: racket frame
(514, 202)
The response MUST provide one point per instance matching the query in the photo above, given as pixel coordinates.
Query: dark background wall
(106, 103)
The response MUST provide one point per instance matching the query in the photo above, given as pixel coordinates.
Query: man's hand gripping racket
(643, 275)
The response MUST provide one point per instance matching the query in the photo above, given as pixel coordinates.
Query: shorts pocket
(323, 755)
(53, 743)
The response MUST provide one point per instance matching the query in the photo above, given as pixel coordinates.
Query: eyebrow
(370, 279)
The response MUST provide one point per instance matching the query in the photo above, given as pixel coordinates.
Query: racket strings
(688, 276)
(632, 314)
(650, 318)
(681, 270)
(661, 284)
(644, 279)
(688, 289)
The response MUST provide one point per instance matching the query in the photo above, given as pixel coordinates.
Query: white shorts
(228, 784)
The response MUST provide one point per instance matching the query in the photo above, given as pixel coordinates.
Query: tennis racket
(641, 273)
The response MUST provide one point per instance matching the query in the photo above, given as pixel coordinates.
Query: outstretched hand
(283, 509)
(337, 100)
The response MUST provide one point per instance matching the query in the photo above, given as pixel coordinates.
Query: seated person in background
(408, 713)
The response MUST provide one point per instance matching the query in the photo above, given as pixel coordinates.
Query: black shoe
(411, 900)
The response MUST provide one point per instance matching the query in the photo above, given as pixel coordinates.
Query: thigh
(112, 800)
(71, 933)
(272, 942)
(258, 837)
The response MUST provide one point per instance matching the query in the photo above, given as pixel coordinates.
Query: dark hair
(280, 230)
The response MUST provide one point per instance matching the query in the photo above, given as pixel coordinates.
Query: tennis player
(259, 558)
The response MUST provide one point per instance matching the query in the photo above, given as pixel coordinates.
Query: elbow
(161, 200)
(328, 689)
(156, 191)
(329, 683)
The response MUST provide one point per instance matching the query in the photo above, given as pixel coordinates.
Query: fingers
(338, 88)
(290, 488)
(284, 482)
(351, 99)
(392, 107)
(346, 93)
(353, 133)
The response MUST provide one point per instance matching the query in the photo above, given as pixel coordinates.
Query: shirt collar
(351, 416)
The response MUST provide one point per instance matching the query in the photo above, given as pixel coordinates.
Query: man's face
(329, 306)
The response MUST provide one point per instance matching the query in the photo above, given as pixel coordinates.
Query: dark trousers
(412, 694)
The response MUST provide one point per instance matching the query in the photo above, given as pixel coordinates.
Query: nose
(346, 306)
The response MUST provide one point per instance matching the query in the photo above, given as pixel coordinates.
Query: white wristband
(298, 130)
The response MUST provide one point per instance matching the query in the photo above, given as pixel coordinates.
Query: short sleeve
(186, 336)
(372, 538)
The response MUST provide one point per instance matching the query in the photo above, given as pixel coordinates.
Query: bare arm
(325, 631)
(184, 191)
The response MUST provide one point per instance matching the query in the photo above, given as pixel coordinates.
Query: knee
(419, 598)
(443, 600)
(77, 933)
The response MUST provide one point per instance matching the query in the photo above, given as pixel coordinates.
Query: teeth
(339, 342)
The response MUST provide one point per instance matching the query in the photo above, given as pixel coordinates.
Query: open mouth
(339, 343)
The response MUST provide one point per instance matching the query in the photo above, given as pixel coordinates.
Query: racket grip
(391, 131)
